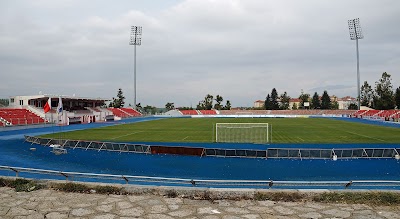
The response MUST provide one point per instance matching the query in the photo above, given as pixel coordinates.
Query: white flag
(60, 106)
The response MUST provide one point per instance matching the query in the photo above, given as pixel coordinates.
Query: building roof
(64, 97)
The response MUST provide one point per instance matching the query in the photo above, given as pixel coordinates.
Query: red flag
(47, 106)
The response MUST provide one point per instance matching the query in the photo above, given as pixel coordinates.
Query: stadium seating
(131, 112)
(359, 113)
(20, 116)
(189, 112)
(118, 112)
(338, 112)
(370, 113)
(377, 114)
(287, 112)
(386, 113)
(396, 115)
(124, 112)
(208, 112)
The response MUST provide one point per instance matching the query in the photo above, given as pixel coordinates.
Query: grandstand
(28, 110)
(124, 112)
(19, 117)
(384, 115)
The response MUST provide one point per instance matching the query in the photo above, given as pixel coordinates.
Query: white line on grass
(365, 136)
(301, 139)
(185, 138)
(127, 135)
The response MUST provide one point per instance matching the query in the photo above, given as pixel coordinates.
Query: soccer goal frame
(242, 133)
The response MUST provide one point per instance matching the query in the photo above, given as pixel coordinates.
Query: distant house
(293, 101)
(258, 103)
(344, 102)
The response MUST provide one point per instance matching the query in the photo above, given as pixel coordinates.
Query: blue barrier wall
(14, 152)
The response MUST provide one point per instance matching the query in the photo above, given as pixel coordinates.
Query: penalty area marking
(127, 135)
(185, 138)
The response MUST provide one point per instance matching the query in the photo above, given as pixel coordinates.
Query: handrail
(269, 153)
(206, 182)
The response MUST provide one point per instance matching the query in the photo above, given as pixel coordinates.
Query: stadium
(81, 140)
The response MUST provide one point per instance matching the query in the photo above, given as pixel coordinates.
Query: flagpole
(59, 114)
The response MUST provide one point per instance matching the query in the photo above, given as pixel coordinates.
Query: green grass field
(284, 130)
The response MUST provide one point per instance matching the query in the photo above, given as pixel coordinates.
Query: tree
(267, 103)
(227, 105)
(352, 106)
(185, 108)
(274, 99)
(304, 98)
(325, 101)
(397, 98)
(315, 102)
(169, 106)
(121, 98)
(139, 107)
(208, 102)
(4, 102)
(112, 103)
(119, 101)
(200, 106)
(384, 98)
(294, 107)
(150, 109)
(284, 101)
(334, 105)
(219, 100)
(367, 94)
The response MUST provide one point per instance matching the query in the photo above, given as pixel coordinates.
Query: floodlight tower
(136, 32)
(355, 34)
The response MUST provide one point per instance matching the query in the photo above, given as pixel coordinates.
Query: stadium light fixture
(136, 40)
(356, 34)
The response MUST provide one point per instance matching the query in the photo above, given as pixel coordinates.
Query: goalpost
(242, 132)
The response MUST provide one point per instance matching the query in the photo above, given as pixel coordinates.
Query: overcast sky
(239, 49)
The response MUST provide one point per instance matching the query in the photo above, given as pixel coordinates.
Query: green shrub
(19, 182)
(28, 187)
(108, 190)
(5, 182)
(72, 187)
(374, 198)
(171, 193)
(20, 185)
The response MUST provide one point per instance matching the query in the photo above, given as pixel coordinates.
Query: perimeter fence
(128, 179)
(269, 153)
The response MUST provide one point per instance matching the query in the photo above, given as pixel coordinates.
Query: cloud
(237, 49)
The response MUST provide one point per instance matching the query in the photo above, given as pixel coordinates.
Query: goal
(242, 132)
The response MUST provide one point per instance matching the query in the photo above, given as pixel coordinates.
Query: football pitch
(282, 130)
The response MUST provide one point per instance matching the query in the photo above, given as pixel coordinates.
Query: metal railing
(269, 153)
(70, 176)
(91, 145)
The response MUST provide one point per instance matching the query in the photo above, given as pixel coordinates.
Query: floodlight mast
(136, 32)
(355, 34)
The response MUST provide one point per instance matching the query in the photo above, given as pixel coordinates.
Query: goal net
(242, 132)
